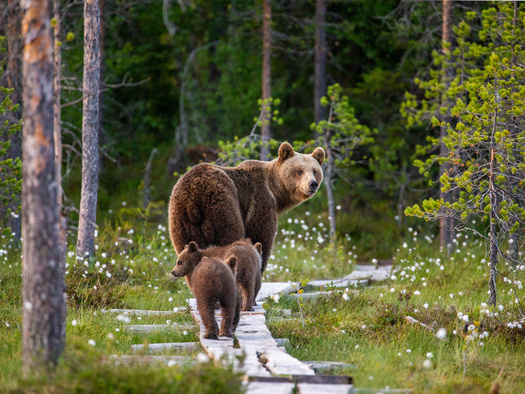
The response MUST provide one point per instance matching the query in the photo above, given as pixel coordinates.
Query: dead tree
(90, 125)
(43, 279)
(320, 60)
(266, 78)
(447, 231)
(57, 136)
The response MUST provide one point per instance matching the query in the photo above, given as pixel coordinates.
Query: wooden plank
(308, 388)
(149, 328)
(169, 360)
(370, 273)
(328, 366)
(141, 312)
(160, 347)
(276, 288)
(342, 282)
(270, 388)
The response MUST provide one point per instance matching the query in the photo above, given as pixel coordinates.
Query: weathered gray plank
(276, 288)
(169, 360)
(270, 388)
(342, 282)
(160, 347)
(148, 328)
(328, 366)
(309, 388)
(370, 273)
(141, 312)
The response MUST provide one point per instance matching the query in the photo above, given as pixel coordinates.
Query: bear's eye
(300, 172)
(179, 262)
(315, 173)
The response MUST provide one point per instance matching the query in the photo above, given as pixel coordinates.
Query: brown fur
(212, 281)
(214, 205)
(247, 269)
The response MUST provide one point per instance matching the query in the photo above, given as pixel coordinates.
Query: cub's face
(187, 260)
(302, 174)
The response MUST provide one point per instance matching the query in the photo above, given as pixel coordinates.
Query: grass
(368, 330)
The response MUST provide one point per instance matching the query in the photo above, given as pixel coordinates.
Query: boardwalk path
(266, 366)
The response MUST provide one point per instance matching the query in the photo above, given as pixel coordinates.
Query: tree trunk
(266, 79)
(330, 195)
(493, 243)
(447, 224)
(90, 124)
(320, 60)
(43, 280)
(57, 136)
(514, 238)
(102, 137)
(14, 82)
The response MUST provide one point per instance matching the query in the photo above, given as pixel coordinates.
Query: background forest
(194, 68)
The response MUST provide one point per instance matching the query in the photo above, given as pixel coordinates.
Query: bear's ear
(258, 247)
(231, 262)
(319, 155)
(192, 247)
(285, 151)
(205, 260)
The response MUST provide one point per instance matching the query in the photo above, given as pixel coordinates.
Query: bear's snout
(173, 273)
(313, 185)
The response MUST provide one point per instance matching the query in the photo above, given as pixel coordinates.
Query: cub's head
(187, 260)
(301, 173)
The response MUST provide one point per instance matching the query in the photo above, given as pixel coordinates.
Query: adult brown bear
(214, 205)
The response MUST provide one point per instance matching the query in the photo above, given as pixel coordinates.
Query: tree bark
(266, 79)
(493, 233)
(447, 224)
(320, 60)
(57, 136)
(14, 82)
(90, 125)
(43, 280)
(330, 194)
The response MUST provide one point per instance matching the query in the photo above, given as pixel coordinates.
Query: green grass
(368, 330)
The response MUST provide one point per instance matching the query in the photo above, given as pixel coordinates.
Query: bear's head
(187, 260)
(300, 173)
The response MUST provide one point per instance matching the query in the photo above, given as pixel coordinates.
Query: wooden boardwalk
(267, 367)
(264, 361)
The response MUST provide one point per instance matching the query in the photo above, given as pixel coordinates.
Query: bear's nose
(173, 273)
(313, 185)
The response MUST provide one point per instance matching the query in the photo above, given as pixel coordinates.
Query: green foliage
(249, 147)
(485, 160)
(10, 168)
(342, 133)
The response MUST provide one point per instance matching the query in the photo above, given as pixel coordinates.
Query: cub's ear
(205, 260)
(258, 247)
(319, 155)
(231, 262)
(285, 151)
(192, 247)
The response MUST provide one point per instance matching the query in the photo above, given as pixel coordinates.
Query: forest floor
(367, 329)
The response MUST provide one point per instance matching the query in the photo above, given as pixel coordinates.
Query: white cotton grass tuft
(441, 333)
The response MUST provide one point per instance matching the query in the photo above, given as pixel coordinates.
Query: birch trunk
(266, 78)
(43, 280)
(90, 125)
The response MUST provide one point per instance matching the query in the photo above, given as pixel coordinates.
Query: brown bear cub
(247, 269)
(212, 281)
